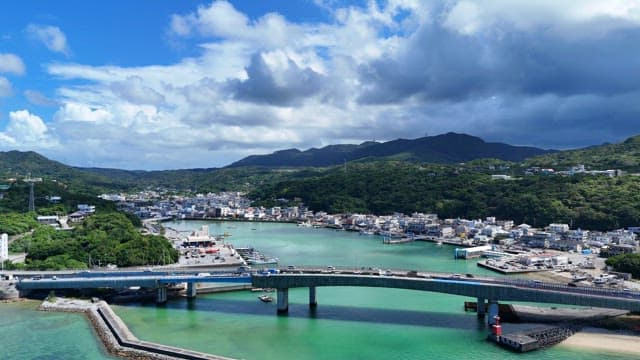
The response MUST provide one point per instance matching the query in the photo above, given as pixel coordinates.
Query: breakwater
(115, 335)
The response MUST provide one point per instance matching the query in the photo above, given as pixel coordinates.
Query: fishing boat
(265, 298)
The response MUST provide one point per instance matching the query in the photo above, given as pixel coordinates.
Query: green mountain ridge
(446, 149)
(92, 181)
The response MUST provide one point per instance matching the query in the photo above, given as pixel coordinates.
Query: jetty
(116, 336)
(534, 339)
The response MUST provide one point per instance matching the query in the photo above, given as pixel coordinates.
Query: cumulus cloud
(12, 64)
(569, 18)
(82, 113)
(134, 90)
(51, 36)
(26, 131)
(542, 73)
(281, 83)
(221, 20)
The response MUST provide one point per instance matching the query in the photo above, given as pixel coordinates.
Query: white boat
(265, 298)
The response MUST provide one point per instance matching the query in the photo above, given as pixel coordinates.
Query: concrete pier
(312, 297)
(283, 300)
(481, 307)
(162, 295)
(493, 311)
(191, 290)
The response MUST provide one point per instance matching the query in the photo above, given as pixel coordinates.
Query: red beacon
(496, 329)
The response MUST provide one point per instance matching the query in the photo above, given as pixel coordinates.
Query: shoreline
(597, 339)
(114, 335)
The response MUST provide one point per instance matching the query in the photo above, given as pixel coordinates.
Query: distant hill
(18, 164)
(624, 156)
(447, 148)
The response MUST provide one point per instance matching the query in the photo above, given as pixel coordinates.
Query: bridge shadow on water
(466, 321)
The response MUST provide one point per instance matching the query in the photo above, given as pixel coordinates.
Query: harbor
(356, 321)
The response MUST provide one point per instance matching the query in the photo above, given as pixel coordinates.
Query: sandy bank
(603, 340)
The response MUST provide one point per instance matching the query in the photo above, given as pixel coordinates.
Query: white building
(558, 228)
(4, 247)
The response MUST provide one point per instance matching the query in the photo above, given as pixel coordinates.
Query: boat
(262, 261)
(265, 298)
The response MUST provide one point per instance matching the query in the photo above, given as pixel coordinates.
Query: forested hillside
(588, 202)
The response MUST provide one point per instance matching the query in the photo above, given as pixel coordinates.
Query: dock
(403, 240)
(510, 269)
(533, 339)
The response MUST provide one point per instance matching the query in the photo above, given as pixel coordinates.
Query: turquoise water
(26, 333)
(349, 323)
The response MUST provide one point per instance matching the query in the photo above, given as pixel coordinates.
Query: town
(576, 255)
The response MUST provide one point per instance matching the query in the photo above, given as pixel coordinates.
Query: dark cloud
(441, 65)
(293, 84)
(530, 88)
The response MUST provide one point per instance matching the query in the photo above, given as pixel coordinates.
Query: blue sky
(180, 84)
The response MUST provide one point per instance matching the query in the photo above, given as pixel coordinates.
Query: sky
(155, 85)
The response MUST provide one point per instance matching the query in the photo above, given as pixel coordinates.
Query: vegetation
(624, 156)
(103, 238)
(16, 199)
(628, 263)
(15, 223)
(590, 202)
(94, 181)
(446, 149)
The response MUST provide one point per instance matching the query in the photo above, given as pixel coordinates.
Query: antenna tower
(31, 181)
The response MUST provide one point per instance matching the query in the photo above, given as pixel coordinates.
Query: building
(48, 220)
(558, 228)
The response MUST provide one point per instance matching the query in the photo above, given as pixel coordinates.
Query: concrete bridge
(489, 290)
(484, 289)
(124, 280)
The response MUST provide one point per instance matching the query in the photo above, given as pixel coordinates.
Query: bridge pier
(493, 311)
(191, 290)
(481, 307)
(162, 295)
(283, 300)
(312, 297)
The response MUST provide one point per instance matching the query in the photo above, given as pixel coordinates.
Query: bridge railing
(517, 282)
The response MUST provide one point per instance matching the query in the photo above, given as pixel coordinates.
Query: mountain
(624, 155)
(18, 164)
(447, 148)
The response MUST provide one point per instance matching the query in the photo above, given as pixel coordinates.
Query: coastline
(114, 334)
(597, 339)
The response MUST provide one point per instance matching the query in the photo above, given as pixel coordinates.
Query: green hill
(589, 202)
(624, 156)
(445, 149)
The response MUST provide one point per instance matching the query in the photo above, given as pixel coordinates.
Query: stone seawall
(8, 290)
(115, 335)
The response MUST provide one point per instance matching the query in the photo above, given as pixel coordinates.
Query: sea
(348, 323)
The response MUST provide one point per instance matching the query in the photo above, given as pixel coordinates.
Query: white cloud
(51, 36)
(572, 18)
(5, 87)
(396, 68)
(26, 131)
(77, 112)
(10, 63)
